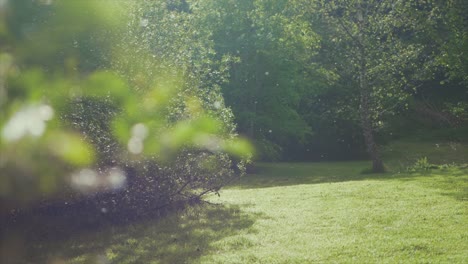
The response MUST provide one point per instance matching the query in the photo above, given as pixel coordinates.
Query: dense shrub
(94, 112)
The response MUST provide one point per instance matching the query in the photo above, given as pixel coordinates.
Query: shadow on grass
(179, 237)
(451, 181)
(286, 174)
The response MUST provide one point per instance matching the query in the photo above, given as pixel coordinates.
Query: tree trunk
(377, 164)
(365, 111)
(256, 87)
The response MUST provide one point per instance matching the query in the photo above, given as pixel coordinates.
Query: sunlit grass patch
(366, 219)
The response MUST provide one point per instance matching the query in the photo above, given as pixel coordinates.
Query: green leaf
(71, 148)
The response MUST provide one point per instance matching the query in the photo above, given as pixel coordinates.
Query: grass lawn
(299, 213)
(329, 212)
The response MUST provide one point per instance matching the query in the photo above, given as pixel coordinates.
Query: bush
(422, 165)
(87, 117)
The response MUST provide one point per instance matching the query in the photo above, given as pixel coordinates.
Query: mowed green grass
(330, 213)
(300, 213)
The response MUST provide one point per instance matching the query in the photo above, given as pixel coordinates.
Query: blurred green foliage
(74, 95)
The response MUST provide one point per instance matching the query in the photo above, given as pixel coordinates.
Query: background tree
(270, 47)
(374, 49)
(451, 35)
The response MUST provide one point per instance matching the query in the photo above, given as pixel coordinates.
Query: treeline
(334, 79)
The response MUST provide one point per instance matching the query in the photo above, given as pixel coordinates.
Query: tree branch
(358, 43)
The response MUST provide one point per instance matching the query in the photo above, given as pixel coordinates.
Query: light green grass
(381, 219)
(301, 213)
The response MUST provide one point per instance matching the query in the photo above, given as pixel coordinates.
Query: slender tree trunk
(368, 132)
(256, 87)
(251, 130)
(365, 112)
